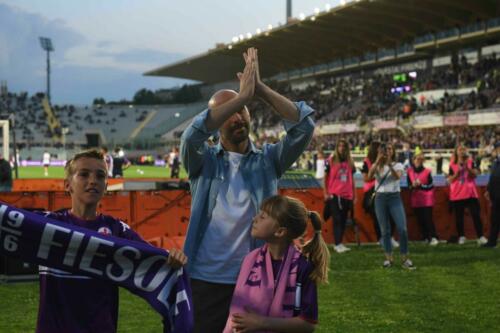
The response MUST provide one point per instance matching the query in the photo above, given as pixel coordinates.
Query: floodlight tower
(47, 46)
(288, 10)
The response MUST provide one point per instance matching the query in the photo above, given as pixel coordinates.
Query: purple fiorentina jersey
(76, 303)
(309, 296)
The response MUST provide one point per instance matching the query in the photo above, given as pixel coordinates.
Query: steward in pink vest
(423, 194)
(464, 194)
(464, 185)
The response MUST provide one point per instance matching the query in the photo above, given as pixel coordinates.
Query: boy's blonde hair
(69, 168)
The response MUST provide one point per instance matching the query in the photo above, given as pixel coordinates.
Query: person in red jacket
(463, 192)
(422, 198)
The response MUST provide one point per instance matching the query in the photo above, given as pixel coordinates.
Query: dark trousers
(339, 208)
(211, 303)
(174, 172)
(473, 205)
(370, 209)
(424, 219)
(495, 223)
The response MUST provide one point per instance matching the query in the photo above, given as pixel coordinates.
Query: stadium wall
(162, 217)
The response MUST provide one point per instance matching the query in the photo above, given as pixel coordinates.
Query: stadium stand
(431, 84)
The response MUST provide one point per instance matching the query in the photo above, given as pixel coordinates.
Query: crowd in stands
(31, 124)
(30, 119)
(360, 96)
(354, 99)
(433, 138)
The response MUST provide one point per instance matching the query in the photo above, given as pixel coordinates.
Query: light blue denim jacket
(261, 169)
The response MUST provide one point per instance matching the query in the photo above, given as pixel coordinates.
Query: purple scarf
(260, 291)
(136, 266)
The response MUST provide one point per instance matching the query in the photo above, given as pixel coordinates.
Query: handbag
(374, 194)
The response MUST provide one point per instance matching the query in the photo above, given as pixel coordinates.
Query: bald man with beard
(229, 181)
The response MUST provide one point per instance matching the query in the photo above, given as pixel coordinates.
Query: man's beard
(242, 135)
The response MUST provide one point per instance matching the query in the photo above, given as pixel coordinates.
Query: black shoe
(489, 245)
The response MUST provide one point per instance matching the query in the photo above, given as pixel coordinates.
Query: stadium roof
(344, 31)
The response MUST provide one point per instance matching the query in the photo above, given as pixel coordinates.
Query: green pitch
(134, 171)
(454, 289)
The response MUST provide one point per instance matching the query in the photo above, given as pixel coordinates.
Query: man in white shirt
(46, 163)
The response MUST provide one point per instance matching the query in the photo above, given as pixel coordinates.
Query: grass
(454, 289)
(134, 171)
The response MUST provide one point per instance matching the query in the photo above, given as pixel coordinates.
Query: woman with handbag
(387, 174)
(368, 192)
(339, 190)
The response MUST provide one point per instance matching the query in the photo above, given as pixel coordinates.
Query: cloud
(21, 54)
(118, 57)
(82, 67)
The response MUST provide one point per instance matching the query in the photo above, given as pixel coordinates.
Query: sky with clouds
(103, 47)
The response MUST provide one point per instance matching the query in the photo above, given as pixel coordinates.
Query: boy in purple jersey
(74, 303)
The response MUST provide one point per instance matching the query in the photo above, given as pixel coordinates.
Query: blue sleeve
(194, 144)
(297, 138)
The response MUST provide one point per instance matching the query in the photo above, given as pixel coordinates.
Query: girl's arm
(250, 322)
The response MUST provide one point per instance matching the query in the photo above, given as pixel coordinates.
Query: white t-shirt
(46, 159)
(171, 158)
(390, 184)
(320, 169)
(227, 239)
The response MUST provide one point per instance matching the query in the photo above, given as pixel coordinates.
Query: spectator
(340, 190)
(5, 175)
(174, 163)
(463, 192)
(388, 202)
(369, 189)
(46, 163)
(108, 159)
(422, 198)
(493, 196)
(120, 163)
(229, 182)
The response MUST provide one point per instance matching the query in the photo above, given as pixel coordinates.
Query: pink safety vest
(463, 187)
(339, 179)
(368, 185)
(418, 197)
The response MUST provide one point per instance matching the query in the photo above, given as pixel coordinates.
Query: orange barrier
(162, 217)
(48, 184)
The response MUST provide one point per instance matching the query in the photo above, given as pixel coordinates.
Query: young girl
(463, 192)
(422, 197)
(75, 303)
(339, 190)
(276, 287)
(387, 174)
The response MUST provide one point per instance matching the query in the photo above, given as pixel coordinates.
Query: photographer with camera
(387, 174)
(463, 192)
(369, 190)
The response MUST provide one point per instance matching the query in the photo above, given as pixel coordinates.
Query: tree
(99, 101)
(144, 96)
